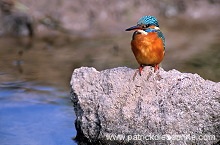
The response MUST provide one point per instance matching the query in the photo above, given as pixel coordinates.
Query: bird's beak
(134, 28)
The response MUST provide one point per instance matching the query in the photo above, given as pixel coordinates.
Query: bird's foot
(156, 67)
(140, 69)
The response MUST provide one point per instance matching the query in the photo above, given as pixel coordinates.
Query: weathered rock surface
(118, 106)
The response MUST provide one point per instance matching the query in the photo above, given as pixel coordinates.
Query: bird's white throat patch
(142, 32)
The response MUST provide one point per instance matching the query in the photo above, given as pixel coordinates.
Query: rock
(118, 106)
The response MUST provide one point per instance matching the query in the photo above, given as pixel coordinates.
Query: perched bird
(148, 42)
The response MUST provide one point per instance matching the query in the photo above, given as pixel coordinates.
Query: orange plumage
(148, 49)
(148, 43)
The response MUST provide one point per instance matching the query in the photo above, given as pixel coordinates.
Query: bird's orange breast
(148, 49)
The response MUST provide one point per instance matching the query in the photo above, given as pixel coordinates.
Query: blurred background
(43, 41)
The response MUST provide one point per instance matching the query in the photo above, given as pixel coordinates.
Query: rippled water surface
(35, 108)
(35, 114)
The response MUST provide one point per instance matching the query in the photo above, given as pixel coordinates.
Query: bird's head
(146, 23)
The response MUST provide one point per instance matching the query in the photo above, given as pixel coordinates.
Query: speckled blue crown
(148, 20)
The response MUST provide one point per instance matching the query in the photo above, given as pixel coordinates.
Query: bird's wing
(160, 35)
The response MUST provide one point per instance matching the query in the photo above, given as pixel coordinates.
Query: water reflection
(32, 113)
(29, 92)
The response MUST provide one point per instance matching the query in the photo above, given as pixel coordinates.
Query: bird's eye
(145, 26)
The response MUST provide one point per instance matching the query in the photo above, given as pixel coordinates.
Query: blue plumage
(151, 20)
(160, 35)
(150, 30)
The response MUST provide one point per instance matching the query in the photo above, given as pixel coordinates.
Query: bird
(148, 43)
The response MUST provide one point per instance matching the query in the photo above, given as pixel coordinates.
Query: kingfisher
(148, 42)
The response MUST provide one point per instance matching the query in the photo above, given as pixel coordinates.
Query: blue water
(35, 114)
